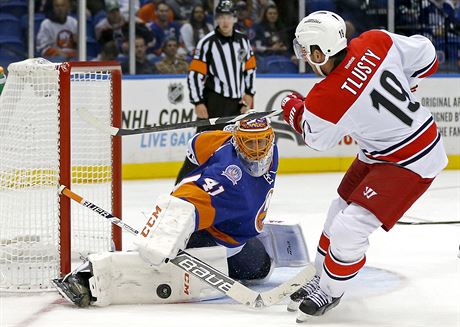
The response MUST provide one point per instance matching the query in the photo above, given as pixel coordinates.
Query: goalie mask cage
(44, 144)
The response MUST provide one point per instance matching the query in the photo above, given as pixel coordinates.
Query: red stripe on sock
(342, 269)
(324, 242)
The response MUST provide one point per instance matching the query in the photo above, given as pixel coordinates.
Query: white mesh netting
(29, 171)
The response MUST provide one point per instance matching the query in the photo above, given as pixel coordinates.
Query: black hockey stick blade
(114, 131)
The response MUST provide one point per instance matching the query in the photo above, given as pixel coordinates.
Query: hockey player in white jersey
(366, 93)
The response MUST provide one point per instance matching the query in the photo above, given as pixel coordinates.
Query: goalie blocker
(126, 278)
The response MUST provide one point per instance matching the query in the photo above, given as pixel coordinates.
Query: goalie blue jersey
(229, 203)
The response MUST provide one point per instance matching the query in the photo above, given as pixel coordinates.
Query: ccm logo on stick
(153, 218)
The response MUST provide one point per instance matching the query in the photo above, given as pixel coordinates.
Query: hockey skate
(306, 290)
(74, 287)
(316, 304)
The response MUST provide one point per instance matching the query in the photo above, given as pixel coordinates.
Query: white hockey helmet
(254, 140)
(324, 29)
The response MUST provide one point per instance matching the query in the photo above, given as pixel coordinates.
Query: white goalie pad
(125, 278)
(284, 243)
(167, 230)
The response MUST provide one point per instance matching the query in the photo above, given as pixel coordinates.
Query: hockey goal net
(45, 144)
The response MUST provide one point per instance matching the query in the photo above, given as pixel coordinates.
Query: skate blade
(293, 306)
(58, 285)
(302, 317)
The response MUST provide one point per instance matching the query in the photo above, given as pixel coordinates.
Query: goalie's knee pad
(284, 243)
(251, 263)
(124, 278)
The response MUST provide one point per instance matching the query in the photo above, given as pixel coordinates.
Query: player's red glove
(293, 108)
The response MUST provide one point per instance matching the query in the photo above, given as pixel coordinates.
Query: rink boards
(160, 100)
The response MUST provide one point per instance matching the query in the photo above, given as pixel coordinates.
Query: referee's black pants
(218, 106)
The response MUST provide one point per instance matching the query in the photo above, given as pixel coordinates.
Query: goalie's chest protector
(231, 204)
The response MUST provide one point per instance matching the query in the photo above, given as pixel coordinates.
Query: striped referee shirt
(225, 65)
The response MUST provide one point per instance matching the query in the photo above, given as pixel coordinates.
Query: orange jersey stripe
(222, 236)
(207, 143)
(250, 64)
(201, 200)
(198, 66)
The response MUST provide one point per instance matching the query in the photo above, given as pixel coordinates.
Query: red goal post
(44, 144)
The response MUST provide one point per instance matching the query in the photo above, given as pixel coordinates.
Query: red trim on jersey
(432, 70)
(412, 148)
(342, 270)
(327, 99)
(323, 244)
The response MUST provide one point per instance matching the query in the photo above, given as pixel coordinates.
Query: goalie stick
(115, 131)
(208, 274)
(441, 222)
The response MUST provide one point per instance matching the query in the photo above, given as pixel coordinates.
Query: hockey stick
(208, 274)
(115, 131)
(446, 222)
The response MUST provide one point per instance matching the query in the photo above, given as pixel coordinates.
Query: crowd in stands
(167, 31)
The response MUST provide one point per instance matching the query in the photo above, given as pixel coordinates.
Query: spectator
(162, 28)
(148, 12)
(143, 66)
(57, 36)
(436, 17)
(95, 7)
(182, 8)
(112, 24)
(258, 9)
(351, 30)
(270, 38)
(244, 22)
(124, 7)
(193, 31)
(355, 12)
(172, 63)
(109, 52)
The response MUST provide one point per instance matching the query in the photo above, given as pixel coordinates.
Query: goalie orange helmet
(253, 140)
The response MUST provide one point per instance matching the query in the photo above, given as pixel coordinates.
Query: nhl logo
(175, 93)
(242, 54)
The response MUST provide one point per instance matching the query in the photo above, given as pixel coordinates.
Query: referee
(221, 74)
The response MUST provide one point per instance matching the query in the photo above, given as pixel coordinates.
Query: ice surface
(411, 277)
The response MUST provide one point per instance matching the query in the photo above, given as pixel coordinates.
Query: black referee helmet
(225, 7)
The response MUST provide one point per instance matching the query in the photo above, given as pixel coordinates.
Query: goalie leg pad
(167, 230)
(125, 278)
(284, 243)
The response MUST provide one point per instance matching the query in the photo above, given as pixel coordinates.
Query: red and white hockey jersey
(368, 97)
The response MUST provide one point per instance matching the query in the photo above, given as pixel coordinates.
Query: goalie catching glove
(167, 230)
(293, 108)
